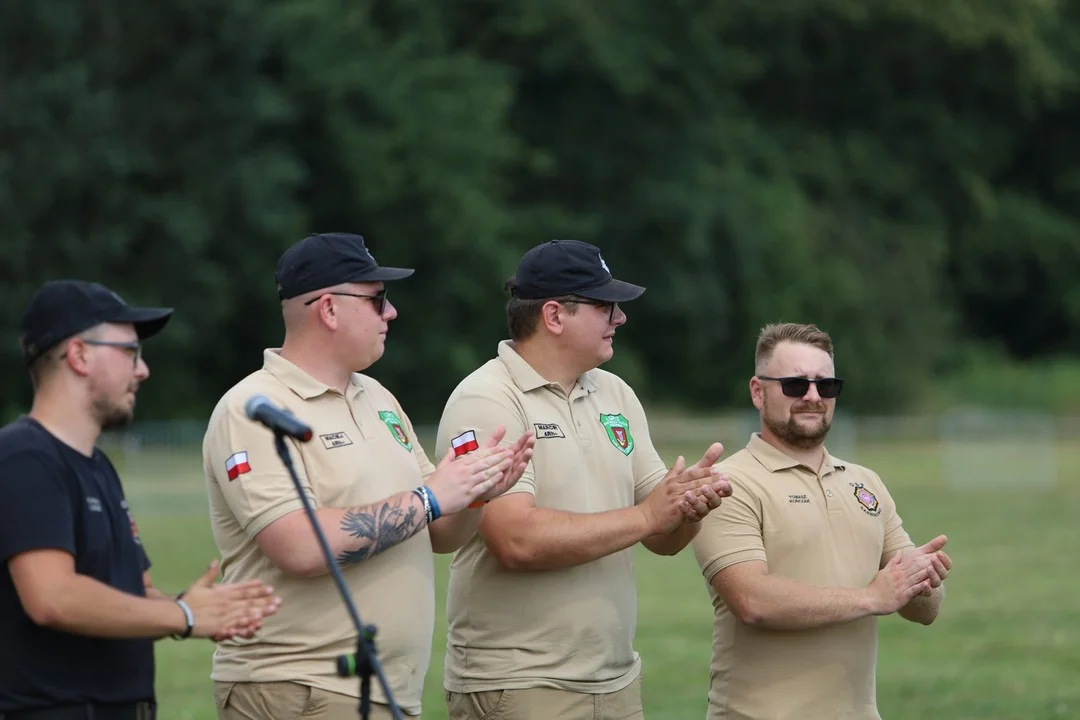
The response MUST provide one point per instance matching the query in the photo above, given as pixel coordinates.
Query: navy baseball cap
(569, 267)
(327, 259)
(63, 308)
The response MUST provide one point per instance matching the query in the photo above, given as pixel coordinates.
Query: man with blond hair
(806, 554)
(379, 501)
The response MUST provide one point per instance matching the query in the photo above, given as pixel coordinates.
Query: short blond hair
(773, 334)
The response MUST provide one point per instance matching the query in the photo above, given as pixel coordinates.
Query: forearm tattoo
(380, 527)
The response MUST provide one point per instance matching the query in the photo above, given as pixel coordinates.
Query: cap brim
(383, 274)
(147, 321)
(614, 291)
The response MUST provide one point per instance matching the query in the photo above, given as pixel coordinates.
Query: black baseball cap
(63, 308)
(569, 267)
(327, 259)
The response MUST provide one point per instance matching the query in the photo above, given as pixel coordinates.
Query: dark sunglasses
(379, 298)
(796, 387)
(600, 304)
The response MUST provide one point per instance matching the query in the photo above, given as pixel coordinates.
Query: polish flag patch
(237, 465)
(464, 443)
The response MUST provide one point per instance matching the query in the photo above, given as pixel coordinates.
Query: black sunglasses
(379, 298)
(601, 304)
(796, 387)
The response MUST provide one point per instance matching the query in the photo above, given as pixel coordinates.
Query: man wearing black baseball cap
(78, 611)
(381, 504)
(569, 267)
(560, 641)
(61, 309)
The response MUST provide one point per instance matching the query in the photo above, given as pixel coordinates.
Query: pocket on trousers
(261, 701)
(486, 705)
(284, 700)
(222, 694)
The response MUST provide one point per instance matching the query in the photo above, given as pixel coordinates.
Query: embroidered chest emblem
(618, 432)
(397, 428)
(866, 499)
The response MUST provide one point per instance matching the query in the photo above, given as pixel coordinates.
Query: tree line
(902, 173)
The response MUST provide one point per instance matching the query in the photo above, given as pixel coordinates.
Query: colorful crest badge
(397, 428)
(867, 499)
(618, 431)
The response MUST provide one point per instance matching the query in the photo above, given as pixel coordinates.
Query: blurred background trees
(903, 173)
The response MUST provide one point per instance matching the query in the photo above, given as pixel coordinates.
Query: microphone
(281, 421)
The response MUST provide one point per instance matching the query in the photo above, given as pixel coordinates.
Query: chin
(117, 420)
(372, 358)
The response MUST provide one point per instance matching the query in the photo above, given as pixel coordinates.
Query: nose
(389, 312)
(812, 393)
(619, 318)
(142, 370)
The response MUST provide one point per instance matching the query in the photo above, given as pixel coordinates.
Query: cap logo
(603, 264)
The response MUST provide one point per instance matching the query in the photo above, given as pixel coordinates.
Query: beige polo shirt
(363, 450)
(573, 628)
(835, 529)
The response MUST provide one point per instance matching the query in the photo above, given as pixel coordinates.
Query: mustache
(808, 407)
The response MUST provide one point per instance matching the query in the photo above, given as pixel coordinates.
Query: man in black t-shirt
(78, 612)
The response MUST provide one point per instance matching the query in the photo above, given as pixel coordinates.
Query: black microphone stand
(364, 662)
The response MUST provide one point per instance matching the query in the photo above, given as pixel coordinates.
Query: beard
(110, 415)
(791, 432)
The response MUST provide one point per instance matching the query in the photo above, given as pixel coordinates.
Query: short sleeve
(422, 459)
(731, 533)
(896, 538)
(469, 410)
(35, 506)
(649, 468)
(241, 458)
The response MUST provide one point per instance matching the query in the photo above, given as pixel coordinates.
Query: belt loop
(90, 714)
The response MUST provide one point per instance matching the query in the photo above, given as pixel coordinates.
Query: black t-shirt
(52, 496)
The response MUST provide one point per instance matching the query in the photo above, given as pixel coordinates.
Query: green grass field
(1006, 646)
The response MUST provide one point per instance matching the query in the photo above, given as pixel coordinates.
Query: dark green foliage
(903, 173)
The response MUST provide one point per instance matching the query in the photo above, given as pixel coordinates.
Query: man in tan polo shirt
(805, 555)
(542, 602)
(381, 504)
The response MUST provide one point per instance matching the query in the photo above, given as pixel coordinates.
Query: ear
(551, 317)
(76, 355)
(757, 392)
(327, 312)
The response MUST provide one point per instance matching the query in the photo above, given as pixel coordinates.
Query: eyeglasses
(133, 346)
(599, 304)
(797, 387)
(379, 298)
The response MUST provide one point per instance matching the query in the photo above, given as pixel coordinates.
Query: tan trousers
(290, 701)
(547, 704)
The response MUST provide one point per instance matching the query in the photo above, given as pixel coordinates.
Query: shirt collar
(299, 381)
(775, 460)
(525, 376)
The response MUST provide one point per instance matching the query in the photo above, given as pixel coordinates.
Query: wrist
(648, 528)
(432, 511)
(188, 621)
(867, 602)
